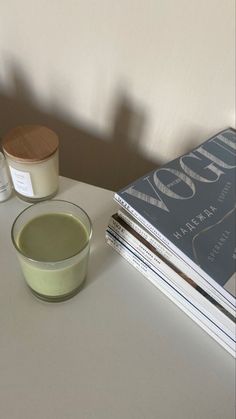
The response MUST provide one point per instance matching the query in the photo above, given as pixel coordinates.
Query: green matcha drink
(53, 251)
(52, 237)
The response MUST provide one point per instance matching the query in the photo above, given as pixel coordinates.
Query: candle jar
(32, 155)
(52, 241)
(5, 183)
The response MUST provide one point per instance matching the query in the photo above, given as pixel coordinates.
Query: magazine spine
(161, 266)
(172, 258)
(184, 306)
(151, 239)
(201, 278)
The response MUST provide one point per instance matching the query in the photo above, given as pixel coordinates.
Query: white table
(118, 350)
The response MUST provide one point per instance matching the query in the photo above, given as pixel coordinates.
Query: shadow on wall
(106, 162)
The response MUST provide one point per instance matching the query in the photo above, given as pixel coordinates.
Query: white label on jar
(22, 182)
(3, 180)
(4, 187)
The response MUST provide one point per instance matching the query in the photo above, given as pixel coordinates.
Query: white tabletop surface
(118, 350)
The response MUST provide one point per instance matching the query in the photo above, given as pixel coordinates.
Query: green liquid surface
(52, 237)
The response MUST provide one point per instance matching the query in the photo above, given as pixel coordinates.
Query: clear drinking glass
(63, 276)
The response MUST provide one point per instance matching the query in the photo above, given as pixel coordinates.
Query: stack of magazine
(176, 225)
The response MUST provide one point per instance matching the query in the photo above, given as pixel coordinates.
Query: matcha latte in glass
(52, 240)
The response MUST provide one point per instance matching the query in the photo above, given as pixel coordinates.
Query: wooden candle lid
(30, 143)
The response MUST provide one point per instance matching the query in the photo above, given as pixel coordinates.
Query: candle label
(22, 182)
(4, 184)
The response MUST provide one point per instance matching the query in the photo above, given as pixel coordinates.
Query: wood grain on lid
(30, 143)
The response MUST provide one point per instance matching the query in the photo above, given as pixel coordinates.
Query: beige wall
(133, 82)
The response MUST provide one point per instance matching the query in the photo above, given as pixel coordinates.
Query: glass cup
(52, 240)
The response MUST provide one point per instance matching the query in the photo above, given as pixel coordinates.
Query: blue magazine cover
(190, 204)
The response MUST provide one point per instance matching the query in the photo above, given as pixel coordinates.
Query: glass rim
(43, 203)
